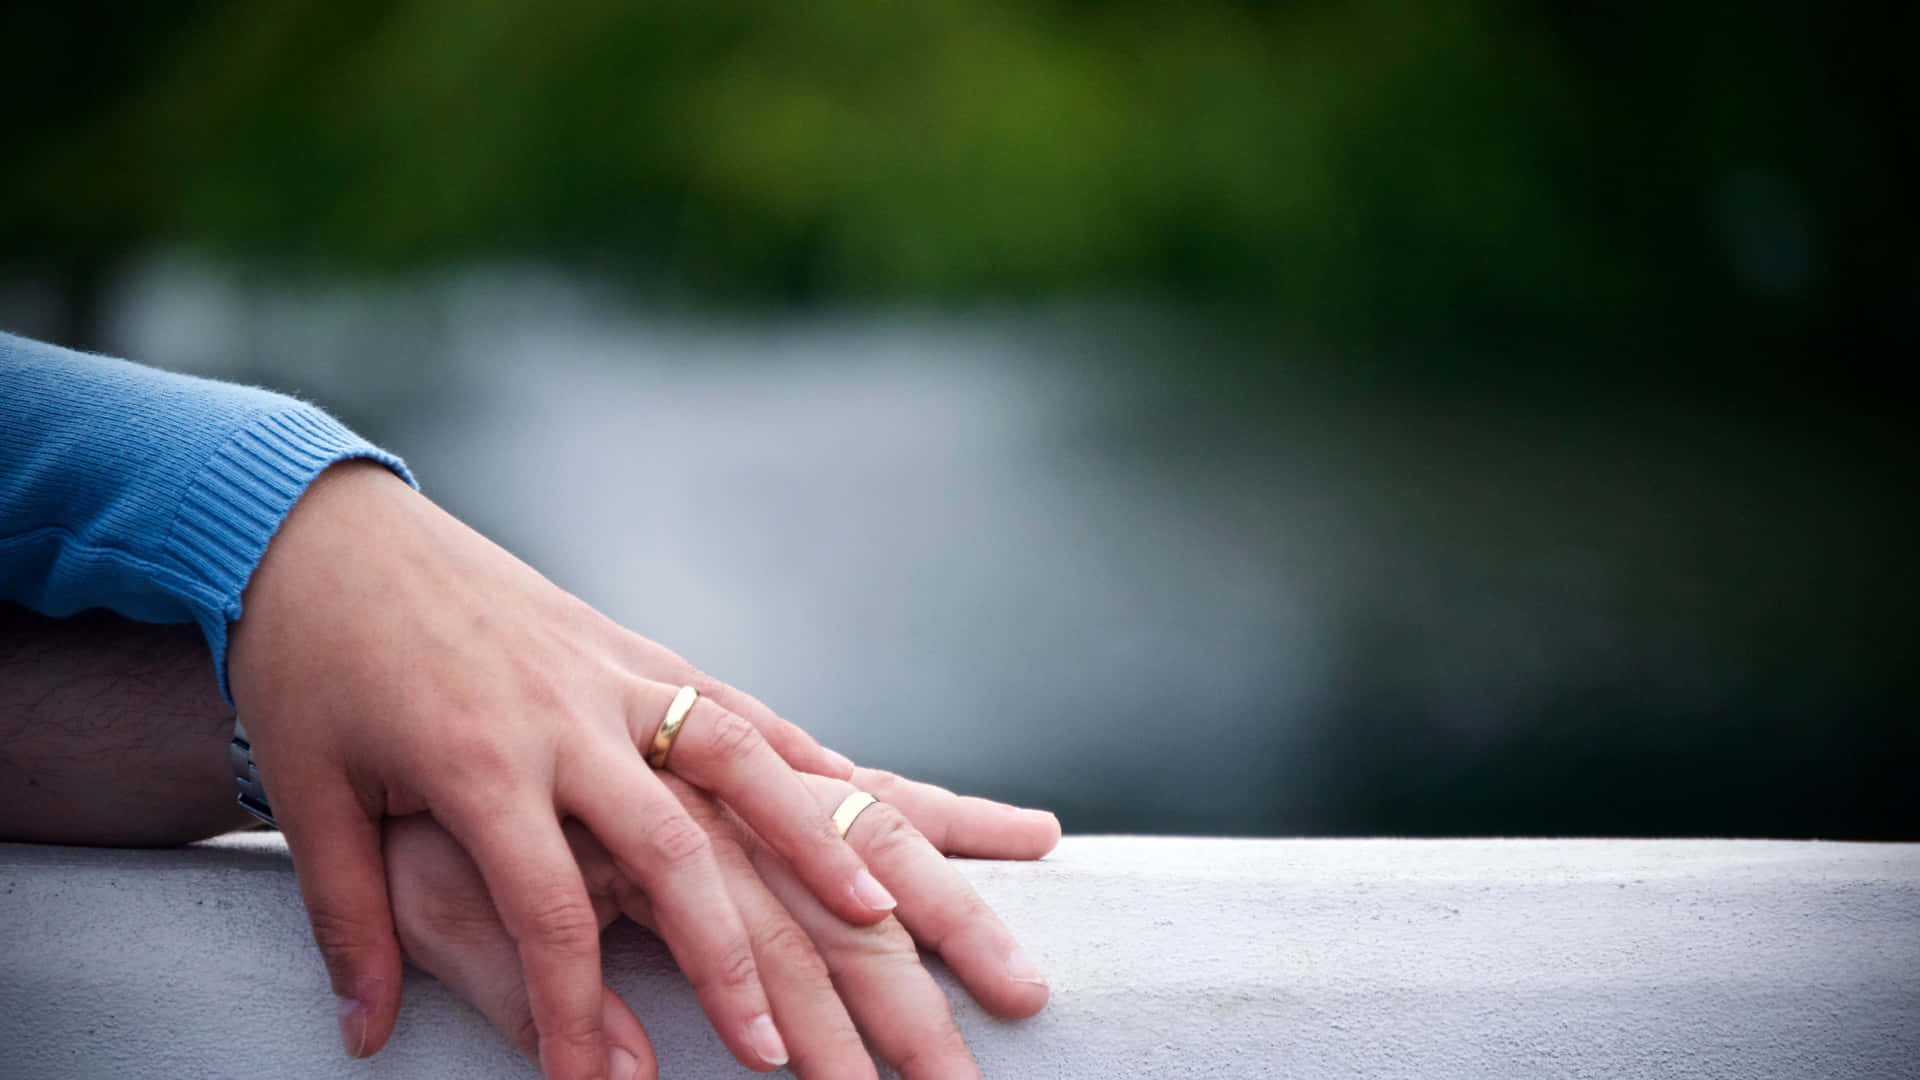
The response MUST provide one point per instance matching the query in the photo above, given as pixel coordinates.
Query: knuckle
(820, 832)
(343, 939)
(739, 968)
(733, 741)
(677, 840)
(571, 1045)
(788, 948)
(561, 922)
(891, 835)
(735, 972)
(575, 1033)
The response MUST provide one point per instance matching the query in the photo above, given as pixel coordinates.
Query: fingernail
(621, 1065)
(765, 1040)
(868, 890)
(353, 1025)
(841, 762)
(1021, 968)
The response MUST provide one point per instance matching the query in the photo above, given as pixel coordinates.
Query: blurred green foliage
(1376, 169)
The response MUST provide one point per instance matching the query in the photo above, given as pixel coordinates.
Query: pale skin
(829, 981)
(393, 663)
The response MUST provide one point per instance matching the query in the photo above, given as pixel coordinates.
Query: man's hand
(392, 661)
(828, 981)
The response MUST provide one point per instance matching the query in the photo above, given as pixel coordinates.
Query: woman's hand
(392, 661)
(806, 953)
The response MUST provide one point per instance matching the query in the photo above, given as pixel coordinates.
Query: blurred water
(1058, 557)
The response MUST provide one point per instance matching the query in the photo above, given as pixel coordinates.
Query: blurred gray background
(1238, 418)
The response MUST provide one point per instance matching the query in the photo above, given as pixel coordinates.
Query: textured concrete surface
(1168, 958)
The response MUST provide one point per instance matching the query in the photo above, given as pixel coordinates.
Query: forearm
(111, 732)
(148, 493)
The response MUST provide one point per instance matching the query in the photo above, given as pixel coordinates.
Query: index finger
(336, 857)
(542, 900)
(964, 824)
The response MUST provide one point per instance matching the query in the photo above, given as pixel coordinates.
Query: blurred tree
(72, 201)
(1733, 174)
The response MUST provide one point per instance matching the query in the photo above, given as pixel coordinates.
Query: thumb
(336, 853)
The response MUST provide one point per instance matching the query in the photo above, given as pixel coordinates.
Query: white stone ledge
(1168, 958)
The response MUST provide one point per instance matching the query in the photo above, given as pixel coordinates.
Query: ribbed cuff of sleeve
(232, 509)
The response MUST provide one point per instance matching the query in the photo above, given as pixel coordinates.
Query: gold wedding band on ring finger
(851, 807)
(670, 727)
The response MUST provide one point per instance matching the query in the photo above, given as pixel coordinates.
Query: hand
(392, 661)
(450, 929)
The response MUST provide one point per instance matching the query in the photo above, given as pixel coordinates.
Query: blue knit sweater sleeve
(144, 492)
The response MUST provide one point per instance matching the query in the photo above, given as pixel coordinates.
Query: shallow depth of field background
(1194, 416)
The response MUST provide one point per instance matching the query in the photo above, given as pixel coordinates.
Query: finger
(941, 910)
(962, 824)
(451, 931)
(878, 973)
(336, 854)
(490, 980)
(543, 904)
(725, 755)
(597, 868)
(630, 1054)
(823, 1041)
(789, 740)
(657, 846)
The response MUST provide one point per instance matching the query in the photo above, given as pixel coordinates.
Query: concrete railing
(1167, 957)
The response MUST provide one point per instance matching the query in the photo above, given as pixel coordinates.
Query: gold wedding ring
(850, 808)
(670, 727)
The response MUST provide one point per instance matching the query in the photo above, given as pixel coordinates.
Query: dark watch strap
(253, 794)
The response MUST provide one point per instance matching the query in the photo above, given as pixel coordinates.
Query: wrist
(239, 499)
(325, 530)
